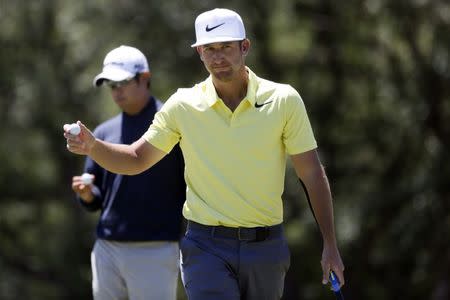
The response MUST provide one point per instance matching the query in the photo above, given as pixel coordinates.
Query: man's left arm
(311, 172)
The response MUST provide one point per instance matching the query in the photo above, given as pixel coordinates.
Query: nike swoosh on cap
(262, 104)
(208, 29)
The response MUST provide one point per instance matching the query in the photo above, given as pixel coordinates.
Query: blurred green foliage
(375, 77)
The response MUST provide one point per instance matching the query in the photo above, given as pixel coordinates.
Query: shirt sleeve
(164, 133)
(298, 136)
(92, 167)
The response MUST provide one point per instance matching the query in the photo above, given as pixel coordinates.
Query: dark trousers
(233, 264)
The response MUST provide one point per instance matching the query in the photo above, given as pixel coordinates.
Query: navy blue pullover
(143, 207)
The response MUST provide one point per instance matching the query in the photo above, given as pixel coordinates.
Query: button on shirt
(235, 161)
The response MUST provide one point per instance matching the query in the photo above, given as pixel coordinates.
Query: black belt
(255, 234)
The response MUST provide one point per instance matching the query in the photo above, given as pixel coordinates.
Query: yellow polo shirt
(235, 161)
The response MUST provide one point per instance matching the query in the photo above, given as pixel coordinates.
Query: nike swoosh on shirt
(208, 29)
(262, 104)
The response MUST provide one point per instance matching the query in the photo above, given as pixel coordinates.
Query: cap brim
(113, 74)
(218, 39)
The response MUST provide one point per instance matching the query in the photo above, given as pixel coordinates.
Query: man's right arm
(117, 158)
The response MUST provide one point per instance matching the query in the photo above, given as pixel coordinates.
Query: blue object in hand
(336, 286)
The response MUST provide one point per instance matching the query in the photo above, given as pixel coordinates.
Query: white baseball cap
(122, 63)
(218, 25)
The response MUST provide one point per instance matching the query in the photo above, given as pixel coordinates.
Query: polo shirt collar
(211, 96)
(252, 87)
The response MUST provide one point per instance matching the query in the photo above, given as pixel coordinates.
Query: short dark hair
(138, 76)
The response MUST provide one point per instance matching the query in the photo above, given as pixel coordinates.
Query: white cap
(122, 63)
(218, 25)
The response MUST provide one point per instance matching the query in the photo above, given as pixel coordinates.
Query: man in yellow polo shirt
(235, 130)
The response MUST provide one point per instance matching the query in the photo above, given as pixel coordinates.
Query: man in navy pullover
(136, 252)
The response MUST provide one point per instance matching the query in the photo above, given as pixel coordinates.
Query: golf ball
(74, 129)
(87, 178)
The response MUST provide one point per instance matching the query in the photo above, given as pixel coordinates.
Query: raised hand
(79, 138)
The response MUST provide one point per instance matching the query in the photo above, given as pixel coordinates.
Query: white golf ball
(74, 129)
(87, 178)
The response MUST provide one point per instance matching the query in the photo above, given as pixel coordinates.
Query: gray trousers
(220, 266)
(135, 271)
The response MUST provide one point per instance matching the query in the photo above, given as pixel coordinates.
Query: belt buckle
(241, 238)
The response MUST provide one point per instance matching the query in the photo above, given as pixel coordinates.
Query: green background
(374, 75)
